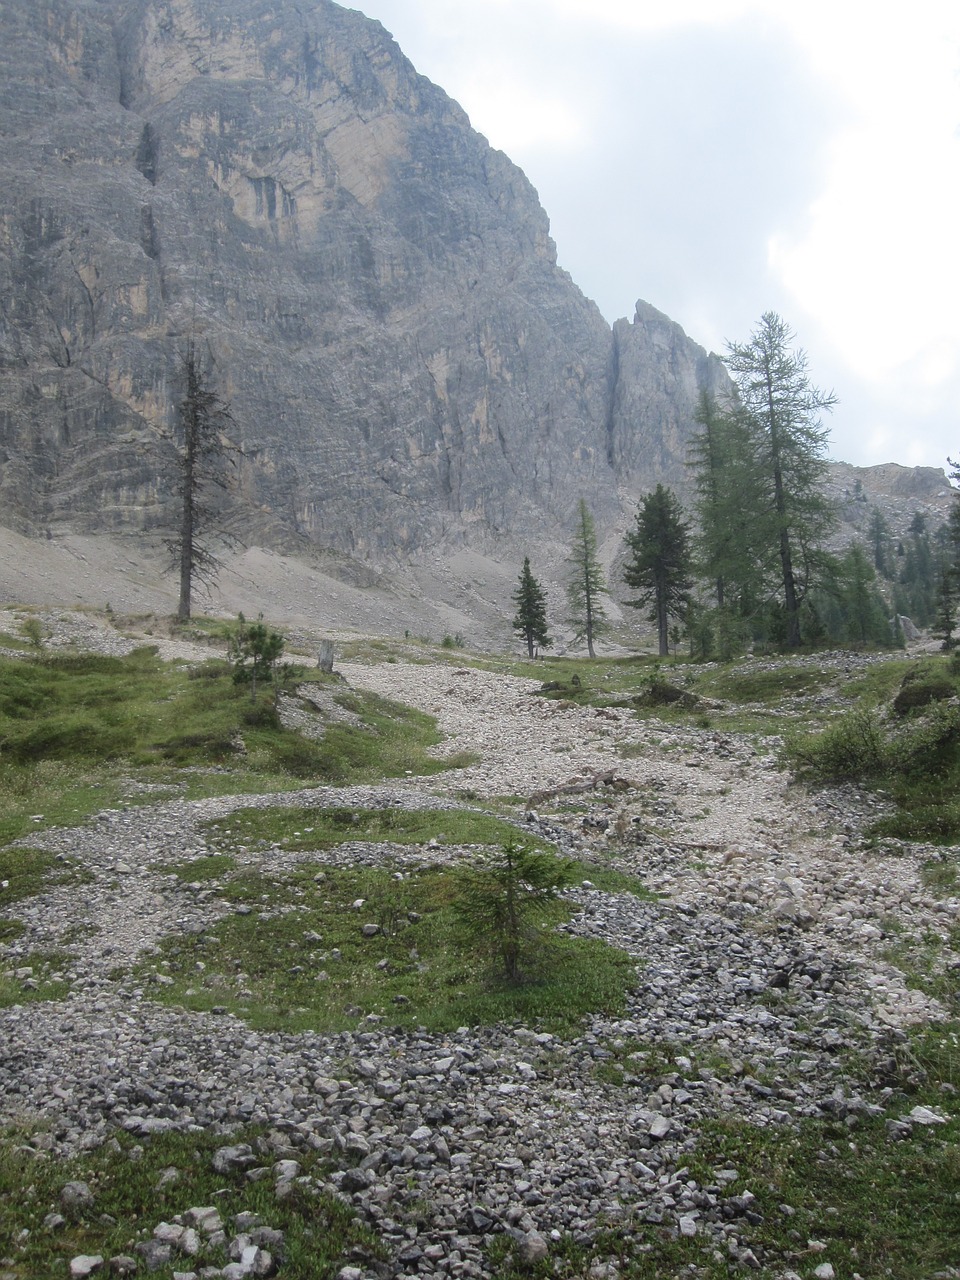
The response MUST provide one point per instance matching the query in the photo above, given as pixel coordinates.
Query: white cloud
(720, 158)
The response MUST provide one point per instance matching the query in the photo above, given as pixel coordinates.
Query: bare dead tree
(206, 457)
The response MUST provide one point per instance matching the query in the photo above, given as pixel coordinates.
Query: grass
(290, 954)
(74, 728)
(45, 982)
(841, 1191)
(25, 872)
(925, 961)
(296, 957)
(300, 828)
(131, 1197)
(868, 1206)
(914, 756)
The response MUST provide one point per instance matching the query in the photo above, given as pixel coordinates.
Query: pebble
(764, 952)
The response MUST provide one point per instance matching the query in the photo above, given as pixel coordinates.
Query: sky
(724, 158)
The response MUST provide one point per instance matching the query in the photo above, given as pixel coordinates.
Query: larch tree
(531, 619)
(587, 584)
(789, 447)
(730, 551)
(659, 568)
(204, 454)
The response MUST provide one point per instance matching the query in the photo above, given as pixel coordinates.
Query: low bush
(852, 749)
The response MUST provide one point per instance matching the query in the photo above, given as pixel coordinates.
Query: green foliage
(731, 551)
(915, 756)
(863, 612)
(587, 583)
(500, 899)
(72, 728)
(255, 651)
(659, 567)
(785, 513)
(530, 621)
(852, 749)
(32, 629)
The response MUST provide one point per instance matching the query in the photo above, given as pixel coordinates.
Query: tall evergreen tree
(531, 619)
(721, 456)
(203, 454)
(789, 445)
(864, 613)
(947, 599)
(918, 578)
(587, 583)
(881, 544)
(731, 550)
(660, 564)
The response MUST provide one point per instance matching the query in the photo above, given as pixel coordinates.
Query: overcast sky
(722, 158)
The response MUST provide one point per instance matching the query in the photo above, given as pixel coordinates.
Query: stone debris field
(764, 951)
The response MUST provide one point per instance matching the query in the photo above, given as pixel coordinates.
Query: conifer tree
(862, 605)
(660, 567)
(587, 583)
(531, 619)
(789, 447)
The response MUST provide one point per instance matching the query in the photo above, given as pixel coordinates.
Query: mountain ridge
(374, 288)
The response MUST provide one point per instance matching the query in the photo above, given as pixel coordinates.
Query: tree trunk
(186, 544)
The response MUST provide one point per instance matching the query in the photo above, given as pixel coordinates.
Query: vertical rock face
(375, 287)
(660, 374)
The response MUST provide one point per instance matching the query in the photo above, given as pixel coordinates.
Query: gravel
(760, 969)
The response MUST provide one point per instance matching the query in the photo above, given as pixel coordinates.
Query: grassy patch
(940, 874)
(211, 867)
(74, 728)
(295, 957)
(132, 1196)
(44, 981)
(927, 965)
(25, 872)
(915, 757)
(302, 828)
(819, 1193)
(765, 684)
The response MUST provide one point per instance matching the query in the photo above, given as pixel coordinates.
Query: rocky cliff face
(375, 287)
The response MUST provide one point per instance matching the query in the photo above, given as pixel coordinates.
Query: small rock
(76, 1198)
(85, 1265)
(532, 1249)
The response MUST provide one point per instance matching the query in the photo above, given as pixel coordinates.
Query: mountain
(373, 288)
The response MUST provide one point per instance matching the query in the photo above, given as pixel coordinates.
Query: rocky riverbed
(760, 970)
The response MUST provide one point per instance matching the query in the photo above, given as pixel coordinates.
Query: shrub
(919, 692)
(853, 749)
(499, 899)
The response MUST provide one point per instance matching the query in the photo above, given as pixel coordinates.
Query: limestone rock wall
(375, 288)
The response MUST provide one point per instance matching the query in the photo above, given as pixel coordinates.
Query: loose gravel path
(765, 952)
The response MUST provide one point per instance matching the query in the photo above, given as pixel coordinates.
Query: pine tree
(587, 583)
(531, 619)
(660, 567)
(789, 446)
